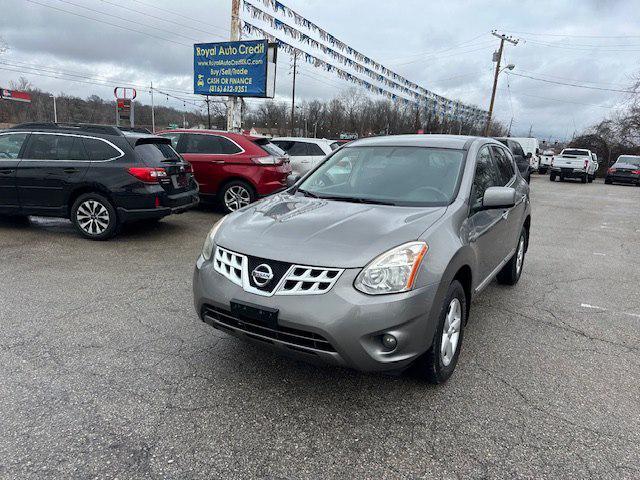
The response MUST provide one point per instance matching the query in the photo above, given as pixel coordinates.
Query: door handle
(6, 171)
(71, 170)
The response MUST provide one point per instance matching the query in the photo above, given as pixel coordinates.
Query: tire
(591, 178)
(584, 178)
(235, 195)
(511, 272)
(552, 177)
(94, 217)
(434, 365)
(609, 182)
(542, 171)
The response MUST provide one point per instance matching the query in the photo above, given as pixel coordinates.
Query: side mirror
(499, 197)
(292, 179)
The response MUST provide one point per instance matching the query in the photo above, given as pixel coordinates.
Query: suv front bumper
(346, 324)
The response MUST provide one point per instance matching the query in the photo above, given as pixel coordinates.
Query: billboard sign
(15, 95)
(245, 68)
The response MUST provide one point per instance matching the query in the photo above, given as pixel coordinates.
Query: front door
(10, 146)
(487, 228)
(51, 165)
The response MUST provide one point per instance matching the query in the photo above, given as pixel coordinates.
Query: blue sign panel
(237, 69)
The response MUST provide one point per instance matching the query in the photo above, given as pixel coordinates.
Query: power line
(173, 22)
(430, 53)
(550, 75)
(583, 48)
(177, 14)
(546, 34)
(571, 84)
(122, 27)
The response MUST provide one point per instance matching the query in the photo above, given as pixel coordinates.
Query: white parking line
(602, 309)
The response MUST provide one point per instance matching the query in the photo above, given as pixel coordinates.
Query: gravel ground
(106, 371)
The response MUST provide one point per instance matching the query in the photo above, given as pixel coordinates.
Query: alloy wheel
(236, 197)
(451, 332)
(520, 256)
(93, 217)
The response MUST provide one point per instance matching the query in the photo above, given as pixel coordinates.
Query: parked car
(98, 176)
(625, 170)
(377, 269)
(530, 146)
(574, 163)
(233, 169)
(305, 153)
(545, 161)
(522, 159)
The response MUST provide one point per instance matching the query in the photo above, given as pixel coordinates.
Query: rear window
(154, 153)
(631, 160)
(270, 147)
(576, 152)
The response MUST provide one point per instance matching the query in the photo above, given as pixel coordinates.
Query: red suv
(233, 168)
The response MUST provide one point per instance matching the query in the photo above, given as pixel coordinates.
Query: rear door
(209, 154)
(301, 159)
(53, 163)
(11, 144)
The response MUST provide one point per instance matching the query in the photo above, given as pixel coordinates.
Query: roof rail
(135, 129)
(87, 127)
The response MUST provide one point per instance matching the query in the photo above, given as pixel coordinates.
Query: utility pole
(498, 59)
(234, 104)
(153, 112)
(55, 110)
(208, 112)
(293, 93)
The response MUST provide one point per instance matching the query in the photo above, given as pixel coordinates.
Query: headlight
(393, 271)
(207, 248)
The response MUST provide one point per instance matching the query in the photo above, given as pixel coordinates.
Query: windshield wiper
(370, 201)
(306, 193)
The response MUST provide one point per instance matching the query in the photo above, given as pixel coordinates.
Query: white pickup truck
(545, 161)
(574, 163)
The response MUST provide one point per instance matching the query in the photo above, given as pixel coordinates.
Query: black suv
(98, 176)
(519, 156)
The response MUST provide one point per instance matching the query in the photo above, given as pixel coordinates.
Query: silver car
(371, 260)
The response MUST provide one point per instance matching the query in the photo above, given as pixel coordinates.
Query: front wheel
(235, 195)
(439, 362)
(510, 273)
(94, 217)
(552, 177)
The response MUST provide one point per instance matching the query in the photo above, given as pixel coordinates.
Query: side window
(285, 145)
(505, 165)
(228, 146)
(487, 175)
(55, 147)
(517, 149)
(298, 149)
(99, 150)
(203, 144)
(71, 148)
(10, 145)
(315, 150)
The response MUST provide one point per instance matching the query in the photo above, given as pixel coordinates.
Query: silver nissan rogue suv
(371, 260)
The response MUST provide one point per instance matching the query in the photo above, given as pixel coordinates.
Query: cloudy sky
(85, 47)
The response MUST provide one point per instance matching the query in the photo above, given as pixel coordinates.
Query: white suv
(305, 153)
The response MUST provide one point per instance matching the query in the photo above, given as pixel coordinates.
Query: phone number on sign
(228, 89)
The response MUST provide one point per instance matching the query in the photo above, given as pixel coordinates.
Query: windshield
(405, 176)
(631, 160)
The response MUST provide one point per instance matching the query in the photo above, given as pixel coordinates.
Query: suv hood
(319, 232)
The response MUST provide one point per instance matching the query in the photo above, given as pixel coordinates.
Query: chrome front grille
(302, 280)
(229, 265)
(292, 279)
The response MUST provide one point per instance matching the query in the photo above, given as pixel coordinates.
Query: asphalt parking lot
(106, 371)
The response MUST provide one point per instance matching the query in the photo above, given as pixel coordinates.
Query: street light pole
(502, 38)
(55, 110)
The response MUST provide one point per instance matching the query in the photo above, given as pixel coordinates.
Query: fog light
(389, 341)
